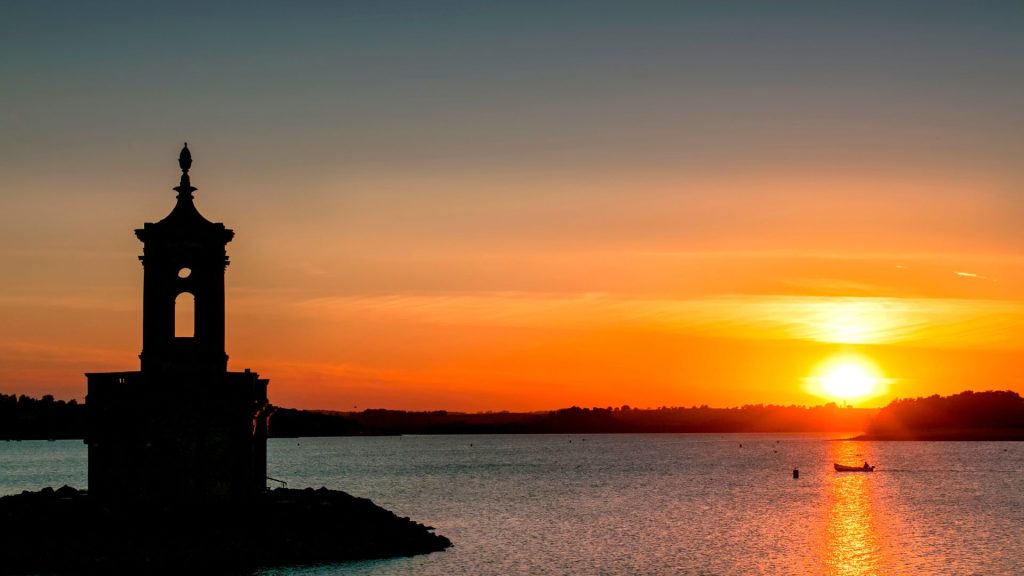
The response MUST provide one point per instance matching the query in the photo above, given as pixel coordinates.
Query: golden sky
(505, 207)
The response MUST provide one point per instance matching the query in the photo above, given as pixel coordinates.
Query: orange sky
(623, 318)
(491, 207)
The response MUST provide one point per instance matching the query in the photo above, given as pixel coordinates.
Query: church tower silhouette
(183, 429)
(184, 257)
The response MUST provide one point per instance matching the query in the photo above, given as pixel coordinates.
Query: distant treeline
(27, 418)
(965, 416)
(22, 417)
(968, 415)
(754, 418)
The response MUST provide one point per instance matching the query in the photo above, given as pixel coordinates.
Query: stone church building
(181, 429)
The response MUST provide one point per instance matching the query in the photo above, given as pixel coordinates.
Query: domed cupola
(184, 257)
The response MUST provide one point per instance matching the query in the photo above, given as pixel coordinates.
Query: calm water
(653, 504)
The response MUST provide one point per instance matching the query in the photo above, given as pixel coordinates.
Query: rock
(66, 491)
(67, 531)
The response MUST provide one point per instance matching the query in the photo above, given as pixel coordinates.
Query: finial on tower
(185, 188)
(185, 159)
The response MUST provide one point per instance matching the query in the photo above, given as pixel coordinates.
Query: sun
(848, 378)
(848, 381)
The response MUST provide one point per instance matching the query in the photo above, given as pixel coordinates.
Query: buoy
(796, 473)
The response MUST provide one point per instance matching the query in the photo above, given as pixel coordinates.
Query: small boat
(864, 468)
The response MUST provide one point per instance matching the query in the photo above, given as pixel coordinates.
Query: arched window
(185, 315)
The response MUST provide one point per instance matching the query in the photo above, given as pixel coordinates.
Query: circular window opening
(184, 272)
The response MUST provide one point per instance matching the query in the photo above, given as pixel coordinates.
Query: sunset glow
(848, 381)
(847, 378)
(473, 207)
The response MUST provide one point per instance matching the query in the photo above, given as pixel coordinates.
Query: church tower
(183, 429)
(184, 260)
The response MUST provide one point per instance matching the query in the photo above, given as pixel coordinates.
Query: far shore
(967, 416)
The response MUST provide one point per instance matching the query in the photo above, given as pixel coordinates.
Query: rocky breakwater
(66, 531)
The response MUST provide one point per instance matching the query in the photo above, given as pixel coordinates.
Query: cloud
(848, 320)
(974, 276)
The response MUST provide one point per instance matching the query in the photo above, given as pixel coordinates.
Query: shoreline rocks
(65, 530)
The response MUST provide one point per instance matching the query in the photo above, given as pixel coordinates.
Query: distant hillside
(996, 415)
(969, 415)
(25, 418)
(576, 420)
(964, 416)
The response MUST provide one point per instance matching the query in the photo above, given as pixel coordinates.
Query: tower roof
(185, 219)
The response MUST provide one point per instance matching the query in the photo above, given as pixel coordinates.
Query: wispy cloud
(851, 320)
(974, 276)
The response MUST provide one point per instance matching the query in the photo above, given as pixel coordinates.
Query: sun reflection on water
(852, 541)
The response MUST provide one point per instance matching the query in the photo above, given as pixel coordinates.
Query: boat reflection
(852, 541)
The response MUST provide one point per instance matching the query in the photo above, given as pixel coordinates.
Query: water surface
(653, 504)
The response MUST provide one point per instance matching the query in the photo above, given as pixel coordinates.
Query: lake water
(652, 504)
